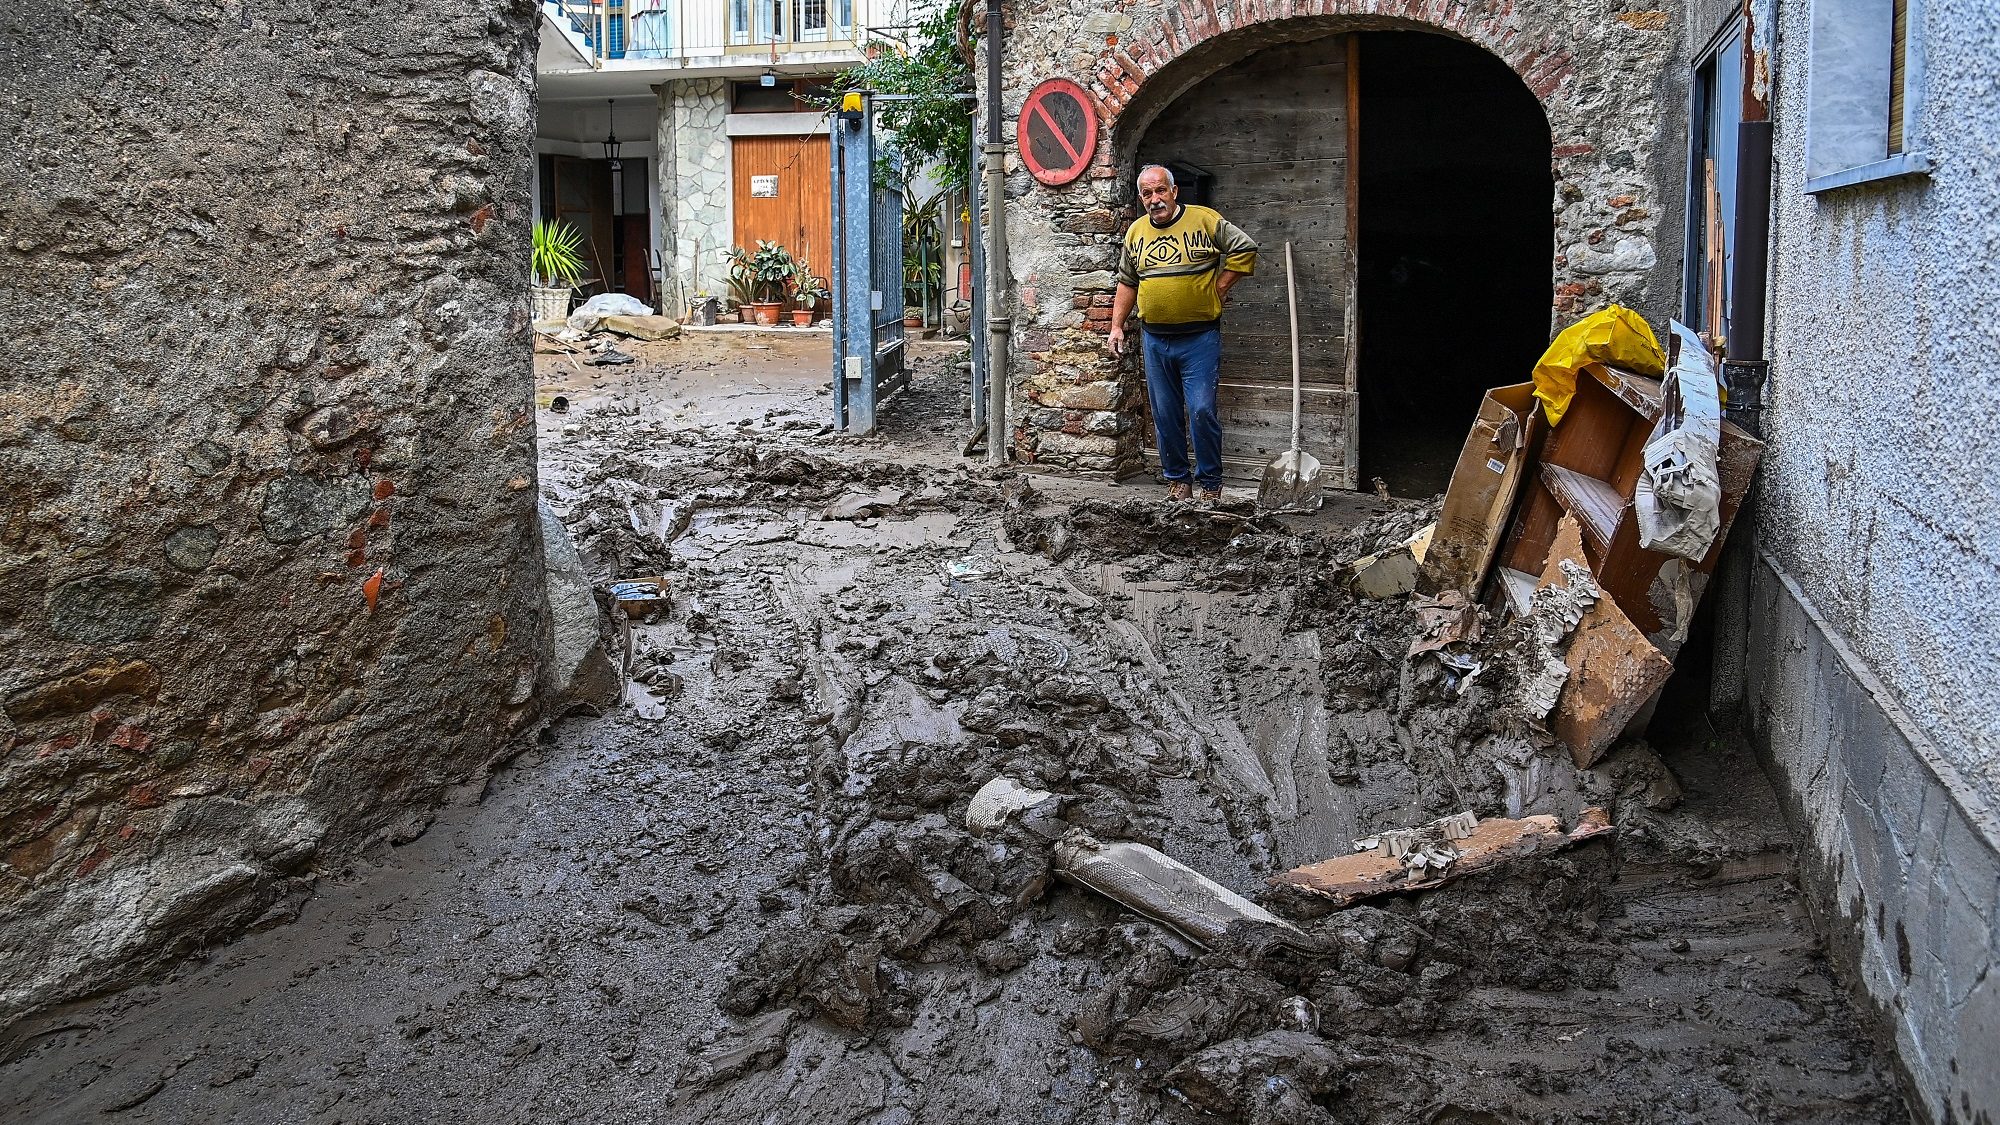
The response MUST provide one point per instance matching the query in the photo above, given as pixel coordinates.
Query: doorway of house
(1456, 247)
(1410, 172)
(782, 193)
(607, 202)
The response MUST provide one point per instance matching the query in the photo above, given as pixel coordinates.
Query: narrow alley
(747, 891)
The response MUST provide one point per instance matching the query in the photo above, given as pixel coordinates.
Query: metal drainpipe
(1744, 367)
(998, 324)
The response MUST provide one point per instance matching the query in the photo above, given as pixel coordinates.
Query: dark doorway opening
(1455, 241)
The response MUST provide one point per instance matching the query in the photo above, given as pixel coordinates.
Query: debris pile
(1253, 812)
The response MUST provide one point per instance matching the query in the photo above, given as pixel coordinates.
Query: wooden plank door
(782, 192)
(583, 200)
(1275, 131)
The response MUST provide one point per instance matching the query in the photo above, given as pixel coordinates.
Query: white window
(1864, 89)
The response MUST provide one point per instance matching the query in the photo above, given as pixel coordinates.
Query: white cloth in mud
(592, 312)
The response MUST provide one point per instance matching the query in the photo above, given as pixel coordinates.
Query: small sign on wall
(763, 187)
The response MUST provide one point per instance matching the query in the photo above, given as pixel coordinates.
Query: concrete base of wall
(1902, 857)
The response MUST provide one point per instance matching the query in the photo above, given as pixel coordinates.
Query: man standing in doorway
(1177, 266)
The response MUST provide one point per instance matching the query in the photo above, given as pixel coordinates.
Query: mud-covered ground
(748, 892)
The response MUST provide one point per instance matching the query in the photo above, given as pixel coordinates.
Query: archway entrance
(1456, 246)
(1444, 257)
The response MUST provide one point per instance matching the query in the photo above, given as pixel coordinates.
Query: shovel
(1292, 481)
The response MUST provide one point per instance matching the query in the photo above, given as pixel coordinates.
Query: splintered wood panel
(800, 213)
(1272, 130)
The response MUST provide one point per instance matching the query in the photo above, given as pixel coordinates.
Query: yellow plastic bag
(1614, 335)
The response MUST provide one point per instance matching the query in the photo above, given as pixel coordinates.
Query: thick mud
(749, 892)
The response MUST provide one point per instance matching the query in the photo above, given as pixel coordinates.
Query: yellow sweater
(1175, 267)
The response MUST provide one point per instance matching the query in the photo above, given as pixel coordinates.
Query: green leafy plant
(557, 261)
(808, 289)
(923, 274)
(923, 255)
(934, 126)
(742, 279)
(764, 274)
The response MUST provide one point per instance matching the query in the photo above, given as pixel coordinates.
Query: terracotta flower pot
(766, 312)
(803, 318)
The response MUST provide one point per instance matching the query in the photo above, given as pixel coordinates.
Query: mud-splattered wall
(1611, 82)
(269, 581)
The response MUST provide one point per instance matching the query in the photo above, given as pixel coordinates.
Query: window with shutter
(1863, 85)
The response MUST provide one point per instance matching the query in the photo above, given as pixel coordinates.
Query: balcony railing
(679, 29)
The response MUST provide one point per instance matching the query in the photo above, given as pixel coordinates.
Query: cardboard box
(1483, 486)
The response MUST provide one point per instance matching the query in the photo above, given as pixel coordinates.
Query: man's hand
(1226, 282)
(1121, 311)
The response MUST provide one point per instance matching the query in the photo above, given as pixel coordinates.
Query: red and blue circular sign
(1057, 132)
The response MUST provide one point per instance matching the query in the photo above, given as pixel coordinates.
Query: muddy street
(748, 891)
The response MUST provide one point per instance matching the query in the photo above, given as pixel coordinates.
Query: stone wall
(1609, 80)
(269, 577)
(694, 182)
(1880, 520)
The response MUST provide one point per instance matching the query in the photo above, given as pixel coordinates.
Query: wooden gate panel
(1273, 132)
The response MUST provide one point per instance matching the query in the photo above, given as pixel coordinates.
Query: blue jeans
(1180, 379)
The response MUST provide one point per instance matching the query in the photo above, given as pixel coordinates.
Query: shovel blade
(1291, 483)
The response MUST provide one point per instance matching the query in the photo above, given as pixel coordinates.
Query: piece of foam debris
(1164, 889)
(998, 800)
(1386, 574)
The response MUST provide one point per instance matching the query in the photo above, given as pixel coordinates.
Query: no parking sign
(1057, 132)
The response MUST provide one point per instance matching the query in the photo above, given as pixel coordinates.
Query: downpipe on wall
(998, 324)
(1744, 367)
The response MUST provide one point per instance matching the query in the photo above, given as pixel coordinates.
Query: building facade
(718, 139)
(1446, 169)
(1870, 608)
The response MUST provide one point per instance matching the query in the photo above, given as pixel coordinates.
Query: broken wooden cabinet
(1588, 467)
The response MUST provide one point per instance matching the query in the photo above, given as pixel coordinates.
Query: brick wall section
(269, 580)
(1609, 81)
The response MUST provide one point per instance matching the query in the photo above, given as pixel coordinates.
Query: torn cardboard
(1386, 574)
(1481, 494)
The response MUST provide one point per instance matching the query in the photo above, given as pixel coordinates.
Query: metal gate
(868, 360)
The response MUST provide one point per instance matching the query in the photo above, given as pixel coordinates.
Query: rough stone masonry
(1607, 78)
(269, 579)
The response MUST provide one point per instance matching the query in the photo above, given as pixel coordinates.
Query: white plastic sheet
(589, 314)
(1678, 497)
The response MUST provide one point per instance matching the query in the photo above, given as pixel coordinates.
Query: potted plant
(742, 281)
(767, 271)
(808, 291)
(556, 264)
(913, 318)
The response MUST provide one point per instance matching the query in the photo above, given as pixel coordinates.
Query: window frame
(1911, 161)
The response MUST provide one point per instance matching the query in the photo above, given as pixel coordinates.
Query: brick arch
(1608, 84)
(1156, 61)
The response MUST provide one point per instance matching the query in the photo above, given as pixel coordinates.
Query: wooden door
(583, 200)
(782, 192)
(1276, 132)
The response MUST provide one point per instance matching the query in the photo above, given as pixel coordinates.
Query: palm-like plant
(558, 255)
